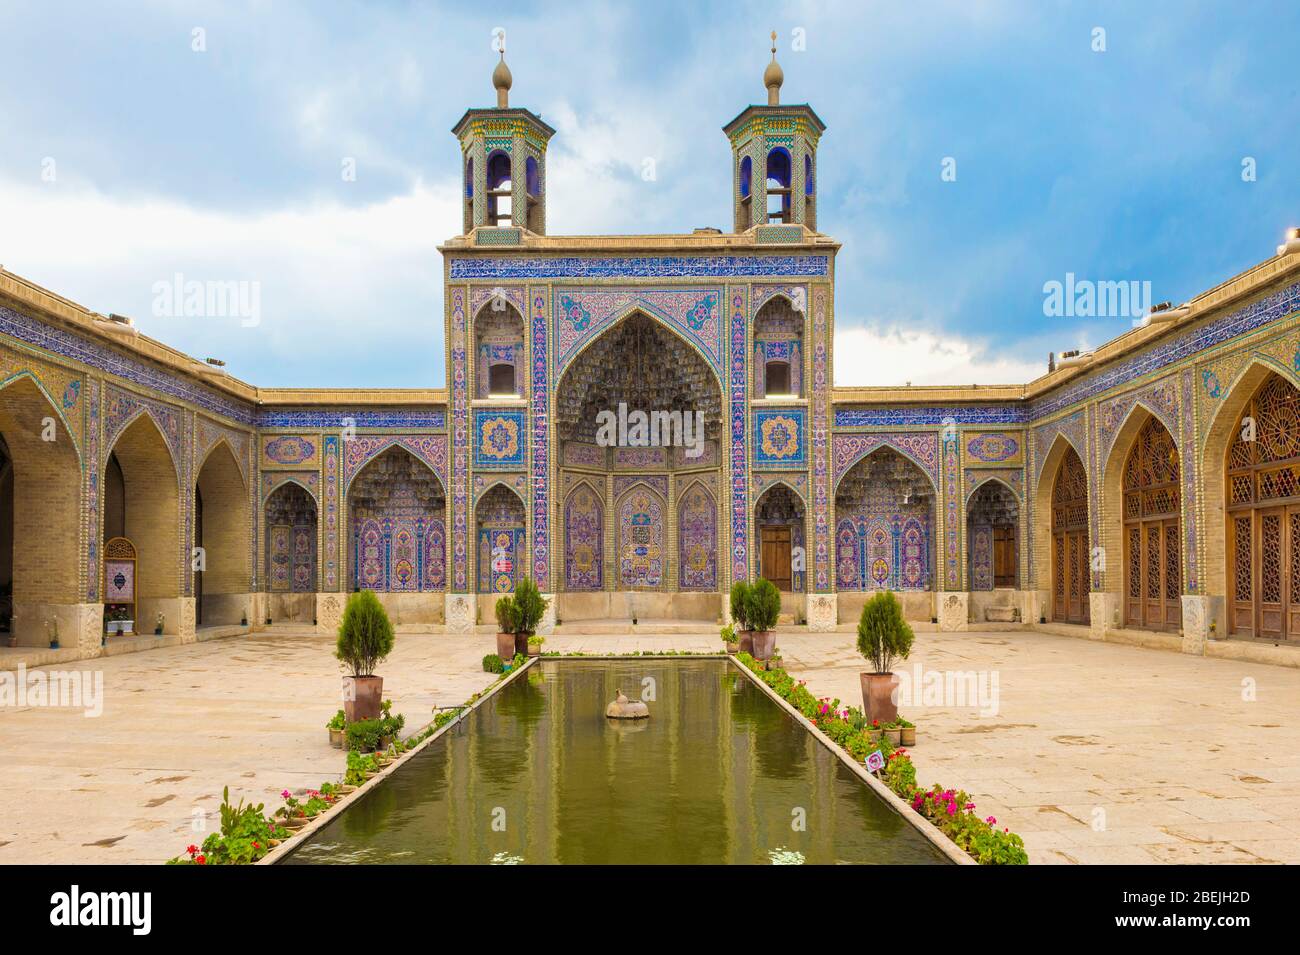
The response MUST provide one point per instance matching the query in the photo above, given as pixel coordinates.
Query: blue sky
(226, 164)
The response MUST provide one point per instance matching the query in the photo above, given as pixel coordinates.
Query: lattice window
(1151, 474)
(1242, 577)
(1270, 559)
(1135, 563)
(1173, 564)
(1070, 494)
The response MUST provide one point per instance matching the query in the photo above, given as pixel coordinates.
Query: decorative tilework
(797, 482)
(582, 314)
(1013, 478)
(209, 433)
(517, 482)
(290, 451)
(659, 482)
(797, 294)
(780, 438)
(1160, 398)
(739, 455)
(1072, 427)
(1182, 345)
(541, 450)
(91, 525)
(994, 448)
(601, 267)
(821, 414)
(922, 448)
(123, 407)
(366, 418)
(1190, 463)
(61, 387)
(480, 295)
(309, 481)
(697, 539)
(584, 532)
(583, 455)
(933, 416)
(122, 366)
(500, 438)
(429, 448)
(333, 541)
(640, 525)
(459, 381)
(638, 459)
(952, 511)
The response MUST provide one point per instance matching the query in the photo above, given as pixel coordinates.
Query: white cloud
(892, 356)
(327, 272)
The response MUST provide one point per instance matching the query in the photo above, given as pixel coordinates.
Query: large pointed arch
(697, 537)
(40, 497)
(222, 524)
(500, 521)
(1062, 548)
(1219, 434)
(660, 319)
(584, 537)
(780, 528)
(153, 517)
(397, 509)
(1141, 529)
(641, 528)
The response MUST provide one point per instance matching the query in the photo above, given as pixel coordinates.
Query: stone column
(1203, 620)
(954, 611)
(822, 613)
(461, 612)
(1103, 608)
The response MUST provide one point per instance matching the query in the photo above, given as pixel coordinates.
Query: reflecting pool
(719, 773)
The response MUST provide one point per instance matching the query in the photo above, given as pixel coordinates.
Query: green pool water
(537, 774)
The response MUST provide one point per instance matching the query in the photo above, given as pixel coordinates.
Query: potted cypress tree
(764, 606)
(365, 640)
(740, 614)
(883, 638)
(530, 607)
(507, 624)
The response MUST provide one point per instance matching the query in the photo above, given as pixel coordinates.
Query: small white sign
(875, 762)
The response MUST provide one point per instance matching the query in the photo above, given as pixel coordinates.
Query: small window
(777, 379)
(501, 379)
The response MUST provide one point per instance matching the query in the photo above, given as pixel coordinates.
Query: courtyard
(1098, 753)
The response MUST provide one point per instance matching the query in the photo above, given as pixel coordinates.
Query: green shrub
(740, 604)
(493, 664)
(363, 735)
(337, 722)
(365, 635)
(530, 607)
(764, 605)
(883, 635)
(507, 615)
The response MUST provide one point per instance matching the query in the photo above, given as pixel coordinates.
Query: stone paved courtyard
(1099, 753)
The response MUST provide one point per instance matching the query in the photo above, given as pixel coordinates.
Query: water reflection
(718, 774)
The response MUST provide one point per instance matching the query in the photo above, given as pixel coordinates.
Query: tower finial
(773, 77)
(501, 79)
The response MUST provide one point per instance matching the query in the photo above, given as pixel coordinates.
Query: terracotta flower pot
(336, 739)
(894, 735)
(878, 696)
(764, 644)
(908, 736)
(733, 647)
(505, 646)
(747, 641)
(362, 696)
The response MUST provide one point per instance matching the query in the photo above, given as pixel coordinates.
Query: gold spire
(501, 79)
(773, 77)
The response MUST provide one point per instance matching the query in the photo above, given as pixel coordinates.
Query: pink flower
(285, 794)
(991, 821)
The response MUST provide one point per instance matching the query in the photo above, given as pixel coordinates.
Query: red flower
(192, 850)
(201, 860)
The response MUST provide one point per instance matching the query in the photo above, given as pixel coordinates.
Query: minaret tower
(503, 162)
(774, 159)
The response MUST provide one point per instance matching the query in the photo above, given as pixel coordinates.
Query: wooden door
(774, 557)
(1004, 556)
